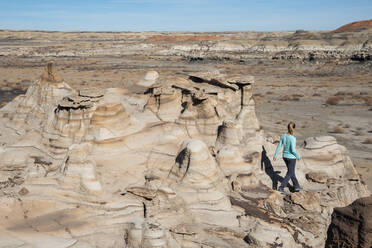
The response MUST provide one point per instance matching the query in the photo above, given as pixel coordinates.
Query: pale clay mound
(180, 163)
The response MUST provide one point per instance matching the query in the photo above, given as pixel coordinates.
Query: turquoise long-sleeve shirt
(289, 150)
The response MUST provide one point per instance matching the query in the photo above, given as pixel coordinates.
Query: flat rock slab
(319, 142)
(241, 80)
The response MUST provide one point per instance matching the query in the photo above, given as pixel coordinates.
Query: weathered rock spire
(50, 74)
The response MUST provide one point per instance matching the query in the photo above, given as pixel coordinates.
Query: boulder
(351, 226)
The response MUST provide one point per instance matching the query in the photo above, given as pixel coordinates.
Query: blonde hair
(291, 127)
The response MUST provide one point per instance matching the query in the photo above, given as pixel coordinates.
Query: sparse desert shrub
(338, 129)
(289, 98)
(298, 95)
(269, 93)
(340, 93)
(25, 81)
(317, 94)
(333, 100)
(363, 93)
(367, 100)
(368, 141)
(357, 133)
(284, 98)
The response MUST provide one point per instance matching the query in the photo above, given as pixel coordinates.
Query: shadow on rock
(269, 169)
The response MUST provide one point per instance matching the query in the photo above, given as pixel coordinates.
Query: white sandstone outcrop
(185, 164)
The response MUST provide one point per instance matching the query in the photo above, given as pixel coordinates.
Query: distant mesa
(354, 27)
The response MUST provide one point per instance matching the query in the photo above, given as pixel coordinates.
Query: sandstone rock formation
(40, 98)
(183, 164)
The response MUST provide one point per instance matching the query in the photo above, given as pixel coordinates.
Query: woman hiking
(289, 156)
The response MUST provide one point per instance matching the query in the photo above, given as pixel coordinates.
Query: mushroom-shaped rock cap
(149, 79)
(207, 75)
(91, 93)
(151, 75)
(229, 124)
(241, 80)
(50, 74)
(213, 78)
(194, 145)
(319, 142)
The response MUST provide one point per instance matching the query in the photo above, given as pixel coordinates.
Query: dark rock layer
(351, 226)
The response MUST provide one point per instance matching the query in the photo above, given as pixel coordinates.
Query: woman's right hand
(274, 158)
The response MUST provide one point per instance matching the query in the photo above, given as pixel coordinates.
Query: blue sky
(181, 15)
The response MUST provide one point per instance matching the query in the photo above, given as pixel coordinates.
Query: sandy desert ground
(294, 87)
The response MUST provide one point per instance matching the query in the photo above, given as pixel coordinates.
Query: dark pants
(291, 165)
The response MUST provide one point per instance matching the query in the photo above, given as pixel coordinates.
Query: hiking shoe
(298, 189)
(281, 191)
